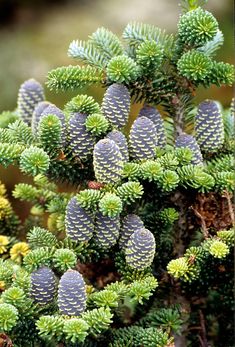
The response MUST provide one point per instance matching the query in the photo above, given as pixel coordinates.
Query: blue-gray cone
(106, 230)
(43, 285)
(107, 161)
(37, 114)
(129, 225)
(153, 114)
(81, 141)
(120, 139)
(29, 95)
(52, 109)
(140, 249)
(116, 105)
(209, 128)
(189, 141)
(142, 140)
(78, 221)
(72, 293)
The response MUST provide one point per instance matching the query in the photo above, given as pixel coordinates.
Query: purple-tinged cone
(140, 249)
(189, 141)
(72, 293)
(106, 230)
(142, 140)
(107, 161)
(37, 114)
(209, 128)
(129, 225)
(29, 95)
(116, 105)
(52, 109)
(120, 139)
(153, 114)
(81, 141)
(78, 221)
(43, 285)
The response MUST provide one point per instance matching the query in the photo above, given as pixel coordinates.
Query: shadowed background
(35, 35)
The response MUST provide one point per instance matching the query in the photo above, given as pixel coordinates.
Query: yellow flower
(2, 286)
(2, 189)
(18, 251)
(4, 241)
(5, 208)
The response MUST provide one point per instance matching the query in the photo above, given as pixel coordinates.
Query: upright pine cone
(81, 141)
(116, 105)
(155, 117)
(78, 221)
(142, 140)
(140, 249)
(129, 225)
(106, 230)
(72, 293)
(189, 141)
(37, 114)
(108, 164)
(43, 285)
(209, 128)
(29, 95)
(52, 109)
(120, 139)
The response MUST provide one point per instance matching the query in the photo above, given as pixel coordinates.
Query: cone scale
(72, 293)
(78, 221)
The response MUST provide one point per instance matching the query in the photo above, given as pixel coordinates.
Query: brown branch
(202, 338)
(230, 207)
(203, 223)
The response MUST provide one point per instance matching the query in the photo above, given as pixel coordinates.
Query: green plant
(141, 248)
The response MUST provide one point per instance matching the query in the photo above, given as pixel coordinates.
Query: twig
(202, 338)
(203, 223)
(230, 206)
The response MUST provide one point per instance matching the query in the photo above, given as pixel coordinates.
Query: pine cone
(209, 126)
(129, 225)
(116, 105)
(108, 164)
(120, 139)
(140, 249)
(81, 141)
(106, 230)
(142, 141)
(189, 141)
(29, 95)
(43, 285)
(155, 117)
(78, 221)
(52, 109)
(37, 114)
(72, 293)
